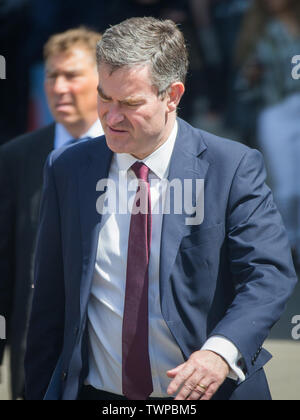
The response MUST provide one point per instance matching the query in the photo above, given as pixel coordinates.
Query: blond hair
(64, 42)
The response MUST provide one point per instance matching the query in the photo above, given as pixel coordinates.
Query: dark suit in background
(21, 178)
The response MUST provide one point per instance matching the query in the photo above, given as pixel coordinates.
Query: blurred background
(243, 84)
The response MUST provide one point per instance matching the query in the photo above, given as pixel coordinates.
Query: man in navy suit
(70, 84)
(173, 300)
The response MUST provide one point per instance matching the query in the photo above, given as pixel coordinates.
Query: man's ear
(175, 93)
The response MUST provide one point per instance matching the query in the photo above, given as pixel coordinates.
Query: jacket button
(63, 376)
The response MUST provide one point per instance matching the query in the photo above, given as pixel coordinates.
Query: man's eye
(132, 105)
(72, 75)
(104, 99)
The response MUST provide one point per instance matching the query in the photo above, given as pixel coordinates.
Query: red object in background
(32, 116)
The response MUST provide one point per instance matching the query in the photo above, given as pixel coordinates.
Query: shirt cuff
(226, 349)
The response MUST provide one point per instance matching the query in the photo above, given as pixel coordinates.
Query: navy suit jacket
(229, 276)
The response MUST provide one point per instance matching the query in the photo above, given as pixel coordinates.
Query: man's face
(134, 118)
(70, 84)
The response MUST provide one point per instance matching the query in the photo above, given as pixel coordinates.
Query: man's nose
(60, 85)
(114, 116)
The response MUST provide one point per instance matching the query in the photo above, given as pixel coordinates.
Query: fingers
(188, 390)
(192, 388)
(210, 392)
(199, 377)
(181, 376)
(173, 372)
(199, 391)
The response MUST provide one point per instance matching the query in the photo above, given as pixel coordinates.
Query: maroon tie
(136, 371)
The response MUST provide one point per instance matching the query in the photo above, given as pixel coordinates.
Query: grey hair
(142, 41)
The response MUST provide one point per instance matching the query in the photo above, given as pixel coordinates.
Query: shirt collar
(95, 130)
(62, 136)
(158, 162)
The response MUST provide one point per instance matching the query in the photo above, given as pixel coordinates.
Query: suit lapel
(95, 168)
(186, 164)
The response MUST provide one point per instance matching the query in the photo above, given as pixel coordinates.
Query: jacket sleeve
(260, 260)
(6, 246)
(46, 327)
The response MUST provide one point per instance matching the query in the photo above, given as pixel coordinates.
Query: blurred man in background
(70, 85)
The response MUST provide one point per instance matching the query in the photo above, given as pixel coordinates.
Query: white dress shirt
(106, 304)
(62, 136)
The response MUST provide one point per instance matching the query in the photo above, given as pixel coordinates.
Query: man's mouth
(63, 105)
(116, 130)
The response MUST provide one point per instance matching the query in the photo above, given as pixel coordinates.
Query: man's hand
(199, 377)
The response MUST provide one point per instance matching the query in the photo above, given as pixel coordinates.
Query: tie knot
(141, 171)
